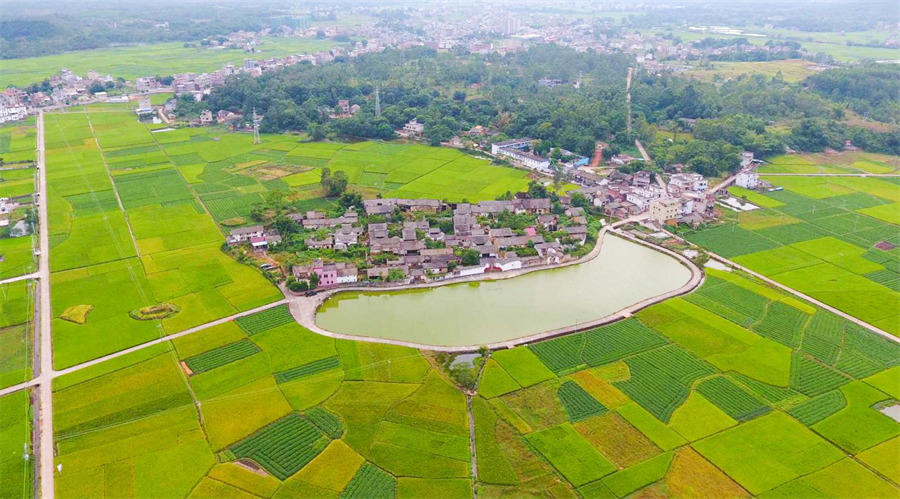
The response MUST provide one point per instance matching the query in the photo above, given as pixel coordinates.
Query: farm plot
(783, 324)
(579, 404)
(16, 311)
(811, 378)
(571, 454)
(618, 340)
(265, 320)
(767, 452)
(560, 354)
(370, 482)
(221, 356)
(284, 447)
(819, 408)
(16, 472)
(828, 251)
(734, 400)
(17, 141)
(653, 388)
(306, 370)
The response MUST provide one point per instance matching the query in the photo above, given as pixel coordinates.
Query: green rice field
(693, 397)
(162, 248)
(16, 472)
(135, 61)
(17, 179)
(833, 238)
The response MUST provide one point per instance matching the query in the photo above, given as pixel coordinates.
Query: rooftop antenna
(256, 127)
(377, 102)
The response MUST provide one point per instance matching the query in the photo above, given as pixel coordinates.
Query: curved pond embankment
(625, 273)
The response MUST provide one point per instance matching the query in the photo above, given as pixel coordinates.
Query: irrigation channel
(624, 274)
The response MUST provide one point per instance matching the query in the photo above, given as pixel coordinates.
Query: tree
(537, 190)
(469, 257)
(580, 200)
(317, 132)
(96, 87)
(338, 183)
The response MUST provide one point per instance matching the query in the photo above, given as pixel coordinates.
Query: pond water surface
(478, 313)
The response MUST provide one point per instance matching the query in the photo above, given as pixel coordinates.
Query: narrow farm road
(35, 275)
(45, 425)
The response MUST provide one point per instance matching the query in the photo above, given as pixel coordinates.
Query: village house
(747, 180)
(329, 274)
(688, 182)
(413, 128)
(578, 233)
(325, 243)
(243, 234)
(663, 210)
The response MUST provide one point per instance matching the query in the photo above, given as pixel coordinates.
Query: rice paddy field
(138, 214)
(229, 173)
(16, 472)
(736, 390)
(135, 61)
(833, 238)
(16, 332)
(124, 237)
(843, 162)
(792, 70)
(17, 178)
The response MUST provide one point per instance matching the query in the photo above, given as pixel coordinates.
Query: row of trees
(422, 84)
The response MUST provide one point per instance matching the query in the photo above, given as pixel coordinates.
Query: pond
(479, 313)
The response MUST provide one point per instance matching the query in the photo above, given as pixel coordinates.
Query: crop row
(370, 482)
(821, 349)
(856, 365)
(218, 357)
(885, 277)
(812, 378)
(871, 346)
(265, 320)
(653, 389)
(560, 354)
(579, 404)
(782, 323)
(720, 309)
(826, 327)
(678, 364)
(817, 409)
(735, 297)
(326, 421)
(284, 447)
(732, 399)
(770, 393)
(618, 340)
(314, 367)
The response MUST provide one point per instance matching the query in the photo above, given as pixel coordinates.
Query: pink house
(327, 273)
(530, 232)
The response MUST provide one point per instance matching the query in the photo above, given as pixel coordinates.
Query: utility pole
(256, 127)
(377, 102)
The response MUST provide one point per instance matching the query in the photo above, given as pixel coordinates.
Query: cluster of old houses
(685, 199)
(415, 250)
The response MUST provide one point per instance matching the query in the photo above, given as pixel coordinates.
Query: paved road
(35, 275)
(45, 390)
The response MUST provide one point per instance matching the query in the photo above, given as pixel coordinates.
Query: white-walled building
(689, 182)
(747, 180)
